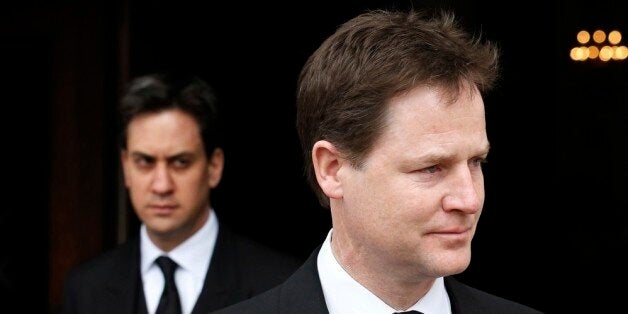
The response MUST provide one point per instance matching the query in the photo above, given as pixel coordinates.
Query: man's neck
(167, 242)
(400, 291)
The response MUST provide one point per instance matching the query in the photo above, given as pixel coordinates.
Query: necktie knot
(167, 266)
(169, 302)
(409, 312)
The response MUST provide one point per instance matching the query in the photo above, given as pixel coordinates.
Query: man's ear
(215, 165)
(124, 159)
(327, 162)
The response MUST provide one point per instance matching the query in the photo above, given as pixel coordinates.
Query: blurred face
(413, 207)
(168, 175)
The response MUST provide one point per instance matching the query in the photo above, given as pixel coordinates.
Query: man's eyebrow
(184, 154)
(180, 155)
(136, 154)
(438, 156)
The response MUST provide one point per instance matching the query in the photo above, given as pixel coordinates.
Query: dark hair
(345, 86)
(158, 92)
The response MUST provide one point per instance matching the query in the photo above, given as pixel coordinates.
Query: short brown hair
(345, 86)
(160, 92)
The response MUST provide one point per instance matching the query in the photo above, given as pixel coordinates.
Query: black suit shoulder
(86, 282)
(468, 300)
(239, 269)
(264, 303)
(260, 267)
(101, 267)
(302, 293)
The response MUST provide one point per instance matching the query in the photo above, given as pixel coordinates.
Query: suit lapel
(222, 285)
(121, 293)
(302, 293)
(462, 302)
(221, 288)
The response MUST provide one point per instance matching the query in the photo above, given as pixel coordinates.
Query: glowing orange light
(599, 36)
(614, 37)
(621, 53)
(573, 54)
(606, 53)
(599, 45)
(583, 37)
(593, 52)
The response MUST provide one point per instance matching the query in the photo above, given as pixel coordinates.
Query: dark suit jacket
(239, 269)
(302, 294)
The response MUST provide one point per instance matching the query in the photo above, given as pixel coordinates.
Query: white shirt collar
(345, 295)
(193, 254)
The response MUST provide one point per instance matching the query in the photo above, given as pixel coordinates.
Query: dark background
(553, 228)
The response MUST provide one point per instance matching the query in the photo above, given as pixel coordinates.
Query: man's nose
(464, 191)
(162, 181)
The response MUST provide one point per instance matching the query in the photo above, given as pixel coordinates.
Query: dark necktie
(169, 302)
(409, 312)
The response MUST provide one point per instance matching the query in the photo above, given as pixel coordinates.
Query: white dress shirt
(192, 256)
(344, 295)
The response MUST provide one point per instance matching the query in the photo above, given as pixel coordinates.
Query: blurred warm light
(599, 36)
(621, 53)
(598, 48)
(584, 53)
(573, 54)
(579, 53)
(614, 37)
(583, 37)
(606, 53)
(614, 55)
(593, 52)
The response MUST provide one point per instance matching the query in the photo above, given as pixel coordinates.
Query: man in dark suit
(183, 261)
(391, 118)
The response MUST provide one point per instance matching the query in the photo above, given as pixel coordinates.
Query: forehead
(164, 130)
(433, 107)
(426, 117)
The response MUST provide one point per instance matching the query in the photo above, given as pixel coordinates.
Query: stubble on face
(166, 173)
(409, 213)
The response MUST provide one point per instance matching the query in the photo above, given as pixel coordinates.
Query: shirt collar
(192, 254)
(343, 294)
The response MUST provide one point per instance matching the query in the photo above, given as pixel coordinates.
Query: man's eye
(180, 163)
(430, 169)
(143, 162)
(477, 162)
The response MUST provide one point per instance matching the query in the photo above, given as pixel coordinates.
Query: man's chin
(162, 229)
(452, 263)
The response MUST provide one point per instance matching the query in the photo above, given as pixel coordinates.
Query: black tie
(409, 312)
(169, 302)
